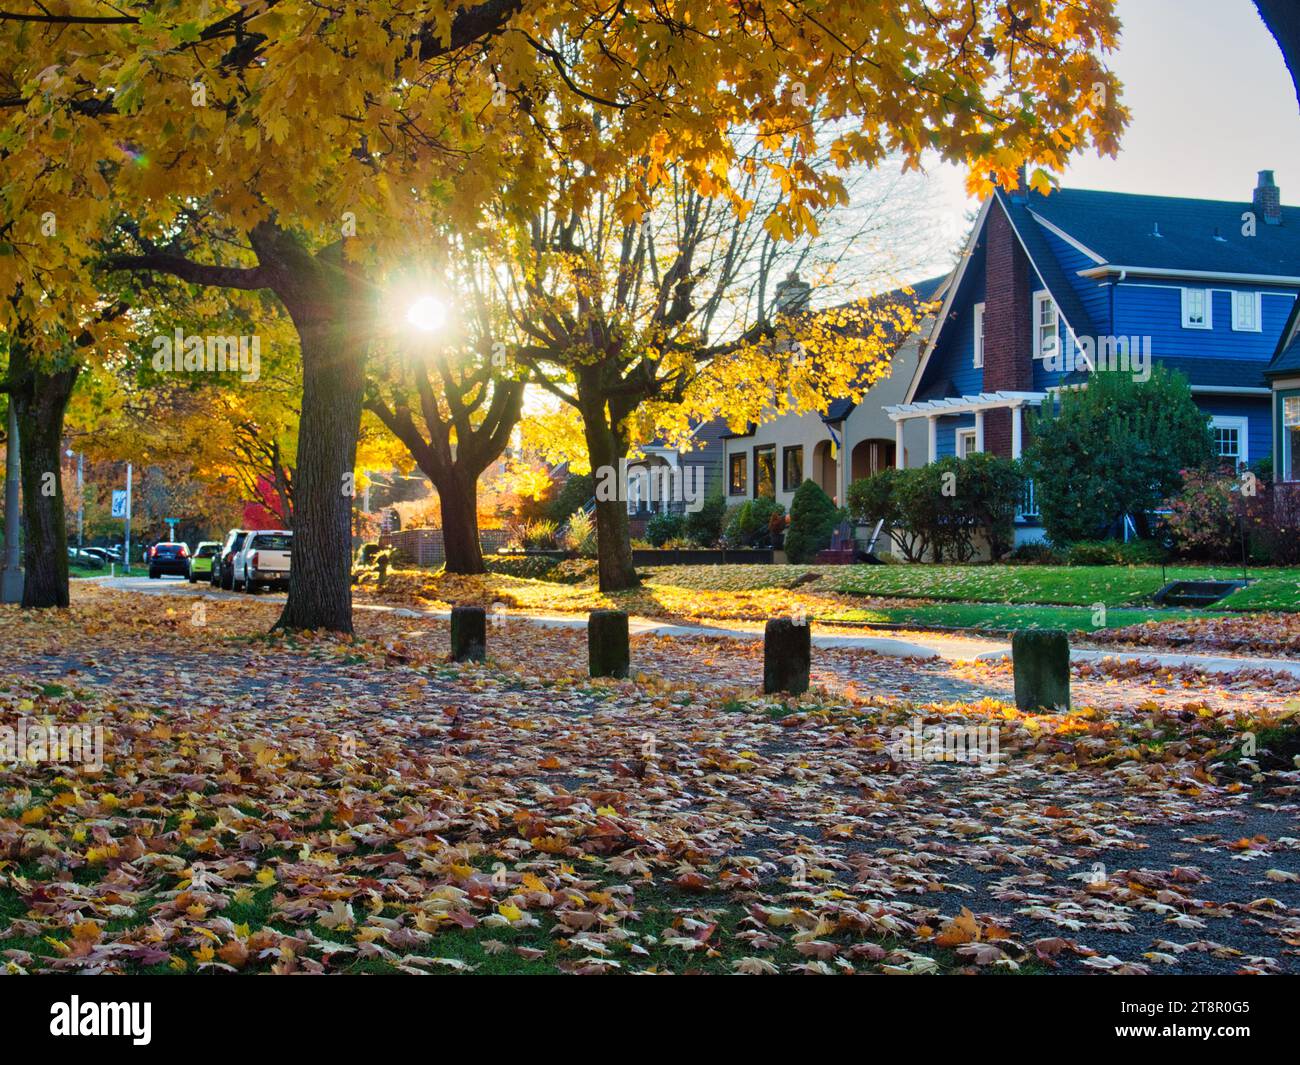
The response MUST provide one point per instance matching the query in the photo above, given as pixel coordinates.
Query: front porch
(969, 435)
(972, 439)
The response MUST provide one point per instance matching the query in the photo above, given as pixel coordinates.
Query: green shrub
(1112, 553)
(664, 527)
(704, 526)
(1037, 553)
(1116, 447)
(872, 499)
(572, 496)
(749, 524)
(988, 491)
(580, 537)
(534, 567)
(1202, 518)
(813, 517)
(539, 535)
(945, 508)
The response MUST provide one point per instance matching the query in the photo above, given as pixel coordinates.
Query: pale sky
(1211, 101)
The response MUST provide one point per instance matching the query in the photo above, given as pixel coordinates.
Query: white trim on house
(1203, 275)
(1082, 248)
(963, 404)
(1241, 424)
(959, 437)
(979, 335)
(1041, 297)
(953, 283)
(934, 409)
(1207, 308)
(1232, 390)
(1255, 311)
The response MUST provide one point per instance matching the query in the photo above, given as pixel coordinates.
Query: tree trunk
(40, 398)
(458, 503)
(1283, 21)
(333, 383)
(613, 534)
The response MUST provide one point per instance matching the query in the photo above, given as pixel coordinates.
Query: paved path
(918, 645)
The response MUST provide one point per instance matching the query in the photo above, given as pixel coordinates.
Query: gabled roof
(1286, 356)
(1033, 238)
(921, 292)
(1171, 232)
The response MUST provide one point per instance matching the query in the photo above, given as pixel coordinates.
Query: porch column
(899, 461)
(979, 430)
(932, 427)
(1015, 432)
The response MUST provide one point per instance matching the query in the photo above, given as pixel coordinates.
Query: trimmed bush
(704, 526)
(750, 523)
(534, 567)
(664, 527)
(813, 517)
(1113, 553)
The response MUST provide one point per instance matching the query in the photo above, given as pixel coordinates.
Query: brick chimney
(1020, 194)
(1267, 199)
(792, 295)
(1008, 328)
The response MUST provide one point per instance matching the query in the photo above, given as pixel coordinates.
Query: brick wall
(1008, 326)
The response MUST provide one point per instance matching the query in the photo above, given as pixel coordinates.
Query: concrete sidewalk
(919, 645)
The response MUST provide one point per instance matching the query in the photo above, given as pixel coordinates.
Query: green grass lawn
(995, 616)
(1076, 586)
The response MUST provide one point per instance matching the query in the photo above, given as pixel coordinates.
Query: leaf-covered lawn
(300, 804)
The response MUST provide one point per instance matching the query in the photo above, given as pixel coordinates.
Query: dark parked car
(223, 567)
(168, 557)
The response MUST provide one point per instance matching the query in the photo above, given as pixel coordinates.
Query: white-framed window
(1245, 312)
(979, 335)
(1046, 340)
(965, 442)
(1290, 438)
(1196, 309)
(1230, 438)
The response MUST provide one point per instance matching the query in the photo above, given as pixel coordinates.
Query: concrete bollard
(1041, 663)
(787, 656)
(468, 634)
(608, 652)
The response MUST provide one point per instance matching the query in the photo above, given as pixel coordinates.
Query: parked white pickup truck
(263, 561)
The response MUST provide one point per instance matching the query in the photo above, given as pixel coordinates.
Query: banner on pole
(119, 502)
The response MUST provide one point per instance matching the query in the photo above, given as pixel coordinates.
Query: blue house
(1051, 288)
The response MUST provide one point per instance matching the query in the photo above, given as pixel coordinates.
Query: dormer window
(979, 335)
(1245, 312)
(1046, 341)
(1196, 308)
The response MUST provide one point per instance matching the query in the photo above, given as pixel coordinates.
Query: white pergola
(934, 409)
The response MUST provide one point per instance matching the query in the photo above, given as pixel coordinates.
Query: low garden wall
(701, 556)
(424, 547)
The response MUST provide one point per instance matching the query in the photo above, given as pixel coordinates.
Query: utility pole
(126, 550)
(81, 495)
(11, 581)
